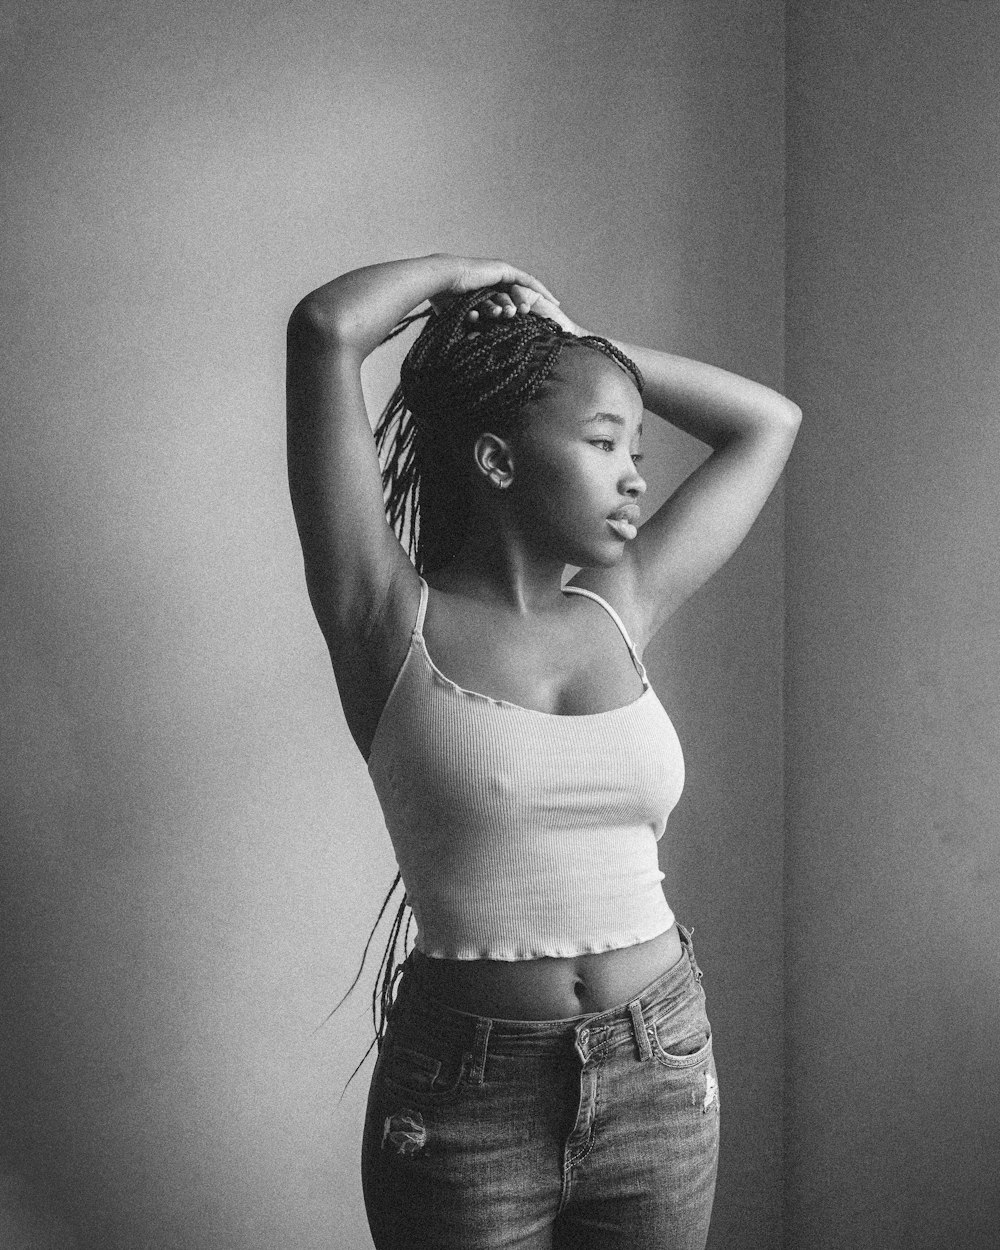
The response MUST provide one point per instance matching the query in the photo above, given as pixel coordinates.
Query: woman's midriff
(548, 988)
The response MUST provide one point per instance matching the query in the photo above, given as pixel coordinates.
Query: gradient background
(193, 855)
(892, 747)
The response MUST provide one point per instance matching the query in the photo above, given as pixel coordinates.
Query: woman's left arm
(750, 429)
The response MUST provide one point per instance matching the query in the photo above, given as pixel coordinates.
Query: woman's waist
(548, 988)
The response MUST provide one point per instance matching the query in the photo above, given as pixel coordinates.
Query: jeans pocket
(424, 1069)
(682, 1036)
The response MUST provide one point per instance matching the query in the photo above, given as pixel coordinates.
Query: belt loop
(686, 938)
(639, 1028)
(479, 1047)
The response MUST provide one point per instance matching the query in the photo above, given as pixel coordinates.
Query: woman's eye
(608, 444)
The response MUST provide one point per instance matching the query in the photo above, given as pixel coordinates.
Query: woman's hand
(472, 273)
(523, 294)
(530, 302)
(522, 300)
(517, 291)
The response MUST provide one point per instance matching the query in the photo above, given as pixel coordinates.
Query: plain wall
(893, 583)
(193, 854)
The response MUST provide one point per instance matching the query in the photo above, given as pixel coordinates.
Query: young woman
(546, 1075)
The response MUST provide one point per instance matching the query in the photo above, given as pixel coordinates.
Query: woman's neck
(495, 567)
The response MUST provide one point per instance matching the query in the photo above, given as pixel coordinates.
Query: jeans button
(584, 1034)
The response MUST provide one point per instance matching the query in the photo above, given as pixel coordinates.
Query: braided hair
(454, 383)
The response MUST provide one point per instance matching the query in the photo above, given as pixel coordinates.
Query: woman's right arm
(358, 576)
(352, 557)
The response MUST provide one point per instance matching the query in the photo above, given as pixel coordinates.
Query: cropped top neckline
(417, 638)
(418, 642)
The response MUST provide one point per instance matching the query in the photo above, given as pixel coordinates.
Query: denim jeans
(598, 1131)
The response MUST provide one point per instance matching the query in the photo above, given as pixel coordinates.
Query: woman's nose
(634, 483)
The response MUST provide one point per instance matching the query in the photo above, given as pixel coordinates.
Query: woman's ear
(494, 460)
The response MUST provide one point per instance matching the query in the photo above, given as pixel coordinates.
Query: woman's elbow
(793, 414)
(777, 418)
(314, 321)
(786, 415)
(304, 316)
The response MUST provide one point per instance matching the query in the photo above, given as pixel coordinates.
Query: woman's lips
(624, 521)
(624, 529)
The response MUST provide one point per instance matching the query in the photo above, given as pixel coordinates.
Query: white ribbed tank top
(519, 833)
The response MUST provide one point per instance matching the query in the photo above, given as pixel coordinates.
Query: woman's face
(576, 485)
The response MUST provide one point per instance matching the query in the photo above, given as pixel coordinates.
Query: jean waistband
(589, 1032)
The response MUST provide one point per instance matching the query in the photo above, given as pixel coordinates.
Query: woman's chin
(607, 556)
(598, 553)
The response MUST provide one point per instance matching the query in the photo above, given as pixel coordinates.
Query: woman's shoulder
(616, 589)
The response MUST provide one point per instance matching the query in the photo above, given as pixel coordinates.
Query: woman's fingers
(520, 278)
(477, 273)
(516, 292)
(496, 307)
(524, 297)
(519, 301)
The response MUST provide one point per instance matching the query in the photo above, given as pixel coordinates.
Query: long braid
(452, 382)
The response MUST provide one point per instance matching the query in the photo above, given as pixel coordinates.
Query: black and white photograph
(500, 696)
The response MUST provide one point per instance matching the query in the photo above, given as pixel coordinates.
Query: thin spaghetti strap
(580, 590)
(418, 624)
